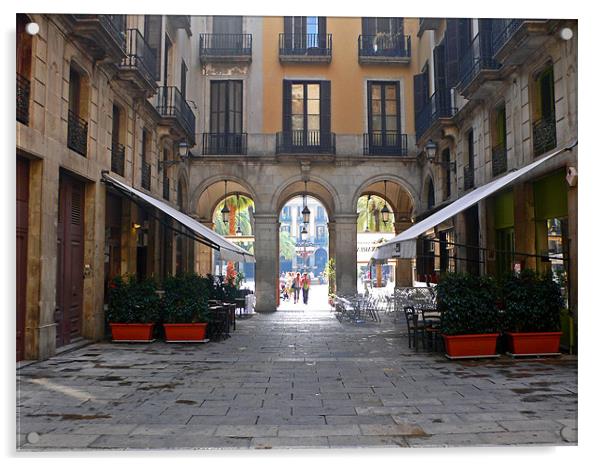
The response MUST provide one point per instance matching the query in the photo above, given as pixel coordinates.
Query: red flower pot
(458, 346)
(534, 342)
(132, 332)
(185, 332)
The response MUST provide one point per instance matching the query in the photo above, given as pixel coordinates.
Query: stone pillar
(266, 261)
(346, 253)
(332, 236)
(403, 267)
(524, 224)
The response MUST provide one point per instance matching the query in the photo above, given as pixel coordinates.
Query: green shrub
(132, 301)
(532, 302)
(467, 304)
(186, 299)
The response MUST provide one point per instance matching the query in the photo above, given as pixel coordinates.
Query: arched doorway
(303, 249)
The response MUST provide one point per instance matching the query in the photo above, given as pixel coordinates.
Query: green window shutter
(550, 197)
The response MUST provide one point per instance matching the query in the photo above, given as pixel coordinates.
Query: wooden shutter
(152, 36)
(368, 26)
(452, 60)
(324, 107)
(464, 35)
(322, 31)
(485, 40)
(443, 96)
(286, 105)
(288, 31)
(420, 96)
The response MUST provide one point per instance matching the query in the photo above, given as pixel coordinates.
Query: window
(183, 73)
(165, 176)
(430, 203)
(226, 107)
(24, 48)
(145, 168)
(498, 141)
(448, 178)
(374, 26)
(227, 25)
(384, 125)
(304, 32)
(544, 115)
(117, 149)
(306, 115)
(152, 36)
(77, 133)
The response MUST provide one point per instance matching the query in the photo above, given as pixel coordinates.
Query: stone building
(278, 107)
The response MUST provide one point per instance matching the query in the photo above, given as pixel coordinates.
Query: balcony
(77, 134)
(103, 35)
(468, 178)
(384, 49)
(305, 142)
(23, 91)
(499, 160)
(544, 135)
(307, 48)
(516, 40)
(437, 111)
(386, 143)
(140, 63)
(176, 113)
(165, 187)
(224, 144)
(427, 24)
(118, 158)
(478, 71)
(145, 179)
(225, 48)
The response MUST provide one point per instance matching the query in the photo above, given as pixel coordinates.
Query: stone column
(203, 255)
(332, 236)
(403, 267)
(346, 253)
(266, 261)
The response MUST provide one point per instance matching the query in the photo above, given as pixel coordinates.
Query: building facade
(335, 108)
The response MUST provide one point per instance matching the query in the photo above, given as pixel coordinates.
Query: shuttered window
(152, 36)
(226, 107)
(306, 110)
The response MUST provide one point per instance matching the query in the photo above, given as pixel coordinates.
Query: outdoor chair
(415, 327)
(431, 319)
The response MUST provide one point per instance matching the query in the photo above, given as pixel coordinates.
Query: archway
(303, 249)
(372, 229)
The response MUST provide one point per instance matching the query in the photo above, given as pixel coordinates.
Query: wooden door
(21, 252)
(70, 260)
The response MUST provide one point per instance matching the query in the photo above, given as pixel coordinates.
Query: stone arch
(317, 187)
(207, 195)
(400, 194)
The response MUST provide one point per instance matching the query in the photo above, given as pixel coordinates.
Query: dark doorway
(70, 260)
(22, 232)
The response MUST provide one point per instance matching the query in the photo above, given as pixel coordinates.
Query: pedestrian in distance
(305, 283)
(296, 287)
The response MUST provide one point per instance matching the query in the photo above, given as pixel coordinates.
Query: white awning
(227, 250)
(403, 246)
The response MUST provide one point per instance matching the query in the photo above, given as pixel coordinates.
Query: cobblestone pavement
(292, 379)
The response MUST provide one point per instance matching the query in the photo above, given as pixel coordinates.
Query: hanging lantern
(305, 212)
(385, 212)
(225, 210)
(303, 233)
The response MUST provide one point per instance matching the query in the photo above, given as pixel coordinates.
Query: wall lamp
(182, 154)
(430, 149)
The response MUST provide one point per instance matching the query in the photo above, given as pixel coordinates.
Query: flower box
(534, 342)
(467, 346)
(133, 333)
(185, 332)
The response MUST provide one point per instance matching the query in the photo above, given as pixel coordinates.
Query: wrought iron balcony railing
(478, 57)
(224, 143)
(145, 180)
(384, 45)
(499, 160)
(23, 91)
(305, 142)
(165, 187)
(385, 143)
(305, 44)
(77, 134)
(170, 103)
(544, 135)
(112, 25)
(118, 158)
(139, 55)
(503, 30)
(438, 106)
(468, 178)
(225, 45)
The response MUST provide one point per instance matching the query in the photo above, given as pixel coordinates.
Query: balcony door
(227, 32)
(226, 116)
(384, 33)
(305, 32)
(384, 125)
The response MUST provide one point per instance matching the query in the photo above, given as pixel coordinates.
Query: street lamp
(303, 233)
(385, 212)
(225, 210)
(305, 212)
(430, 150)
(238, 230)
(182, 154)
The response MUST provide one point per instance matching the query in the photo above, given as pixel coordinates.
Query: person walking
(296, 287)
(305, 283)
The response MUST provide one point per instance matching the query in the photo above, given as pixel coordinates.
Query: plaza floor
(292, 379)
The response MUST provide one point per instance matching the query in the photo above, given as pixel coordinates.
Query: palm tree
(287, 245)
(368, 208)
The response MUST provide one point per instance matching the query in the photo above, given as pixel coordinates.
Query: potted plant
(469, 315)
(133, 308)
(532, 304)
(185, 308)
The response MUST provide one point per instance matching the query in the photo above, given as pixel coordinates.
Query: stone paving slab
(292, 380)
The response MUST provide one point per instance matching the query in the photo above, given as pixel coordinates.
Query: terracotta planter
(534, 342)
(185, 332)
(132, 332)
(462, 346)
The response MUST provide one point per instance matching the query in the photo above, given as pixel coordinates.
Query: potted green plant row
(133, 308)
(469, 315)
(185, 307)
(532, 306)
